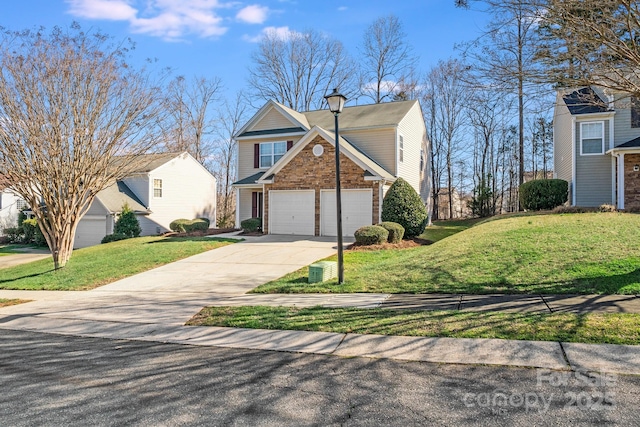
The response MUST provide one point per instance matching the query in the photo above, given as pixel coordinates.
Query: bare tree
(299, 69)
(230, 119)
(387, 59)
(449, 99)
(191, 118)
(592, 42)
(505, 55)
(69, 105)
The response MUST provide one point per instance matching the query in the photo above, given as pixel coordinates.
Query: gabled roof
(363, 116)
(143, 163)
(297, 120)
(346, 148)
(116, 195)
(584, 101)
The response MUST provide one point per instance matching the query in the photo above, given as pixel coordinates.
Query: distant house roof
(114, 197)
(584, 101)
(143, 163)
(362, 116)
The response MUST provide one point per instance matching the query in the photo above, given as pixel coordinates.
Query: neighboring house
(163, 188)
(460, 204)
(10, 205)
(596, 146)
(286, 165)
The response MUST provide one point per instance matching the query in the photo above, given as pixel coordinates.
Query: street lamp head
(336, 101)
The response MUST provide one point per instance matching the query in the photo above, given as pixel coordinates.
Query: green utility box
(322, 271)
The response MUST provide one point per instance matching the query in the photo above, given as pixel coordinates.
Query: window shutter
(254, 204)
(289, 145)
(256, 156)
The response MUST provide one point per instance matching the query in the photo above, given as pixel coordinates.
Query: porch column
(237, 222)
(620, 188)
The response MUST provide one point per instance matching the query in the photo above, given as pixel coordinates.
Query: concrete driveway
(173, 293)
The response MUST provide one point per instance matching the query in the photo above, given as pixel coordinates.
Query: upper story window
(271, 152)
(157, 188)
(400, 148)
(592, 138)
(635, 112)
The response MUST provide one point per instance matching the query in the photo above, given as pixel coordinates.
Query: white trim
(573, 161)
(263, 112)
(237, 221)
(613, 180)
(601, 122)
(272, 135)
(273, 153)
(620, 158)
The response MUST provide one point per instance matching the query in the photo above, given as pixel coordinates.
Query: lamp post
(336, 103)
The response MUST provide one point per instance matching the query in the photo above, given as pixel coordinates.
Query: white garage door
(292, 212)
(90, 231)
(357, 207)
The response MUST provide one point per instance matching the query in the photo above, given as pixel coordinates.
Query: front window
(592, 138)
(157, 188)
(271, 152)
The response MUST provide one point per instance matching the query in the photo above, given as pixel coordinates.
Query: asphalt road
(51, 380)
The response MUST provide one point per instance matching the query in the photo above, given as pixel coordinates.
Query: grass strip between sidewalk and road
(4, 302)
(596, 328)
(98, 265)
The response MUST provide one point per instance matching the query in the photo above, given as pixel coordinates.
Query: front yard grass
(8, 250)
(566, 327)
(550, 254)
(4, 302)
(98, 265)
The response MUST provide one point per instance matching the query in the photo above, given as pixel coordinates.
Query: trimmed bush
(402, 205)
(29, 227)
(114, 237)
(189, 225)
(371, 235)
(251, 224)
(14, 234)
(206, 220)
(396, 231)
(127, 223)
(542, 194)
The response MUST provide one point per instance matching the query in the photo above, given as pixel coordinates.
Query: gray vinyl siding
(378, 144)
(593, 173)
(562, 141)
(623, 131)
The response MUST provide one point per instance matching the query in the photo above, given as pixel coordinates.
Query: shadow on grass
(25, 277)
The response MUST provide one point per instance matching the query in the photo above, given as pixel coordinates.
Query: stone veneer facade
(309, 172)
(631, 182)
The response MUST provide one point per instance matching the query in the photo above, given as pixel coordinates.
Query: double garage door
(293, 212)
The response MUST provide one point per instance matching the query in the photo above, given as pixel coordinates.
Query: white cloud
(117, 10)
(283, 33)
(342, 8)
(253, 14)
(171, 20)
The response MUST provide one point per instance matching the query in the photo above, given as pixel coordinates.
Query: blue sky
(216, 37)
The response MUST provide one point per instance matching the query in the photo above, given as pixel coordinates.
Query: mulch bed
(405, 244)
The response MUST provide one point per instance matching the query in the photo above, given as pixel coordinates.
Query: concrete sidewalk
(154, 306)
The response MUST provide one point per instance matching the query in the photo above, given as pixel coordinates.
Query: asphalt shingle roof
(115, 196)
(362, 116)
(584, 101)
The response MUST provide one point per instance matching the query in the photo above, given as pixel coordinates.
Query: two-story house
(286, 165)
(596, 147)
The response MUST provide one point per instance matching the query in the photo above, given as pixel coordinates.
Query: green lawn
(8, 250)
(551, 254)
(567, 327)
(4, 302)
(442, 229)
(98, 265)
